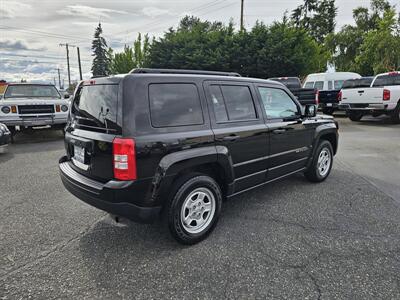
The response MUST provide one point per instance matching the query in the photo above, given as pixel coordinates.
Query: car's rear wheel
(355, 116)
(321, 164)
(396, 114)
(193, 210)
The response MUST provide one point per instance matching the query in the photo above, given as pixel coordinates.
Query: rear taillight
(339, 96)
(124, 158)
(317, 97)
(386, 95)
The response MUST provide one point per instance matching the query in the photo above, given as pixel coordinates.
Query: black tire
(13, 131)
(395, 116)
(328, 111)
(184, 187)
(313, 173)
(355, 116)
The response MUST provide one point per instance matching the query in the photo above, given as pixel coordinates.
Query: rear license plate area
(79, 154)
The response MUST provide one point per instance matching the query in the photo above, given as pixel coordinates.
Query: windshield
(31, 91)
(95, 107)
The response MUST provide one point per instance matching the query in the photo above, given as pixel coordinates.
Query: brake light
(339, 96)
(124, 158)
(386, 95)
(317, 97)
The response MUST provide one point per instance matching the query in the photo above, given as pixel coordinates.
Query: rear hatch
(93, 124)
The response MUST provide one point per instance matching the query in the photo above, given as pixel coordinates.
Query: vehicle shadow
(37, 136)
(6, 156)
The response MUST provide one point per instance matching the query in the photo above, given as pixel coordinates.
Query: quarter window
(175, 105)
(277, 104)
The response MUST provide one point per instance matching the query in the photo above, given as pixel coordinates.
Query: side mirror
(310, 111)
(66, 96)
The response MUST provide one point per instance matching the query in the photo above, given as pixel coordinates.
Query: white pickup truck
(381, 97)
(32, 105)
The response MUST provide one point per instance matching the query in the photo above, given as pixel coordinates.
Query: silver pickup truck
(33, 105)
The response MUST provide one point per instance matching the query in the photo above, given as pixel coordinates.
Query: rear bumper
(34, 121)
(103, 195)
(328, 105)
(367, 106)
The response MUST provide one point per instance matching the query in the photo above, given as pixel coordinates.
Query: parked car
(304, 95)
(176, 143)
(381, 97)
(328, 86)
(5, 137)
(31, 105)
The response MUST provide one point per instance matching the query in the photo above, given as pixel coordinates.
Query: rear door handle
(231, 138)
(279, 131)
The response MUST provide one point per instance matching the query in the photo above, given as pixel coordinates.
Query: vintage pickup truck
(32, 105)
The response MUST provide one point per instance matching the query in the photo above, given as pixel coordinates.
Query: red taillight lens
(124, 157)
(317, 97)
(386, 95)
(339, 96)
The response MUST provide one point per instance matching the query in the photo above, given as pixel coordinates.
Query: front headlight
(64, 108)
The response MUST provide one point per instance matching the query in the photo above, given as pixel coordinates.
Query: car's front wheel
(193, 211)
(321, 164)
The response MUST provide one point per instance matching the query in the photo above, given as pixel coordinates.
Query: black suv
(176, 143)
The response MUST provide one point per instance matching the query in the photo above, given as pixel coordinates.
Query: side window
(175, 104)
(277, 103)
(309, 85)
(319, 85)
(221, 114)
(330, 85)
(338, 84)
(238, 101)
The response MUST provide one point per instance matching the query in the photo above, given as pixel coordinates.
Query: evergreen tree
(100, 65)
(317, 17)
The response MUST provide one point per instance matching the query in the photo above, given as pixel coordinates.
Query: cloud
(13, 9)
(89, 12)
(152, 11)
(18, 45)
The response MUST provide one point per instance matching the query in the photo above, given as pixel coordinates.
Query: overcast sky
(31, 30)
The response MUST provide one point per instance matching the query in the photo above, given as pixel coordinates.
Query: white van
(328, 81)
(328, 86)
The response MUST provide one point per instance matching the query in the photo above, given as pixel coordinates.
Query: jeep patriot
(176, 143)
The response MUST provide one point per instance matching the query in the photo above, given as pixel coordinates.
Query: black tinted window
(357, 83)
(175, 105)
(95, 106)
(217, 99)
(239, 103)
(386, 80)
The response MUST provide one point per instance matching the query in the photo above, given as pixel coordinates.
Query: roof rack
(183, 71)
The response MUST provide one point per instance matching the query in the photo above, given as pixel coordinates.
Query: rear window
(31, 91)
(290, 82)
(357, 83)
(175, 104)
(386, 80)
(95, 107)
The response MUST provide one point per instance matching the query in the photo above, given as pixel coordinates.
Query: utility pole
(59, 78)
(79, 63)
(69, 71)
(241, 15)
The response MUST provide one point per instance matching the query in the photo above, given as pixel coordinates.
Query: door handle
(231, 138)
(279, 131)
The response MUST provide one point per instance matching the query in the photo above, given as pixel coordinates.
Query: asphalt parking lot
(336, 240)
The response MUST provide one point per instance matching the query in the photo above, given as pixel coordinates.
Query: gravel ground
(292, 239)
